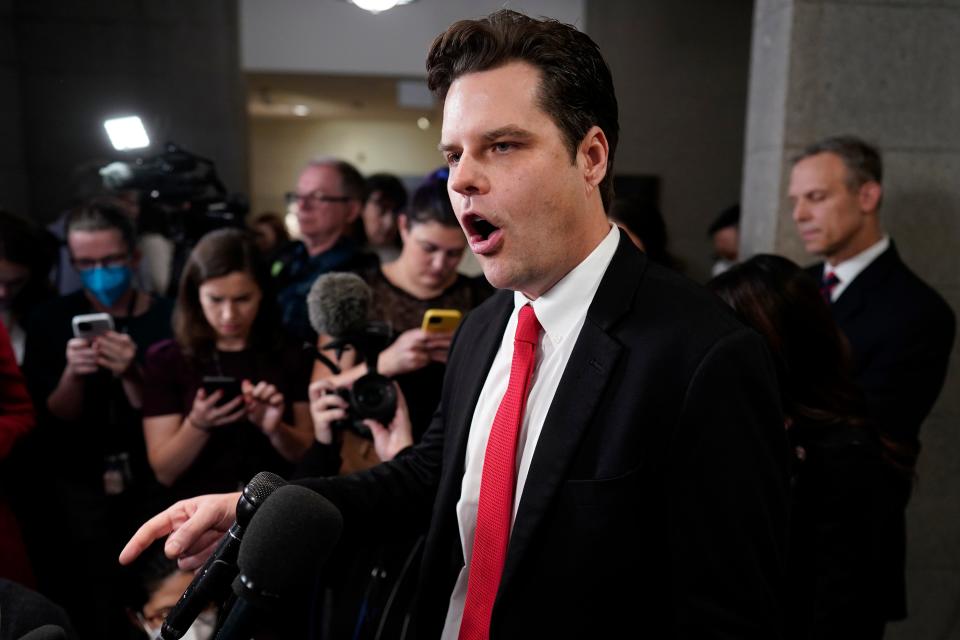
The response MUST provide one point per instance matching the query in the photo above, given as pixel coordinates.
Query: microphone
(287, 542)
(212, 582)
(46, 632)
(338, 304)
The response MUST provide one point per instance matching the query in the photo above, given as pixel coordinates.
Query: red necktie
(498, 483)
(828, 284)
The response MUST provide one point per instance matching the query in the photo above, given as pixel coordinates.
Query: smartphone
(229, 385)
(441, 320)
(91, 325)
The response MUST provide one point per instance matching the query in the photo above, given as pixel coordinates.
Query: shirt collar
(560, 309)
(849, 269)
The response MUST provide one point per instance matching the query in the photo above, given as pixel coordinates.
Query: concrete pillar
(174, 62)
(888, 71)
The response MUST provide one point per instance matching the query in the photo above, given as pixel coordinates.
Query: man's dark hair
(576, 87)
(729, 217)
(351, 180)
(103, 214)
(862, 160)
(393, 195)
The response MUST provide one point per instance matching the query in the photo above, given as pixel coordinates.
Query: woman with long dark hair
(842, 524)
(199, 438)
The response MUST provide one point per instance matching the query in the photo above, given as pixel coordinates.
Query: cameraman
(88, 394)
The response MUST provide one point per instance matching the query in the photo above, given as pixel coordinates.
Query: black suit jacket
(901, 332)
(656, 500)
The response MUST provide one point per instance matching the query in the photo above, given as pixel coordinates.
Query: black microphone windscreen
(46, 632)
(338, 304)
(290, 536)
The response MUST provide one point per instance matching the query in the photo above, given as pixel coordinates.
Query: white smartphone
(91, 325)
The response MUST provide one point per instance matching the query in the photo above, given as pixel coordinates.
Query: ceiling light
(126, 133)
(376, 6)
(423, 123)
(301, 110)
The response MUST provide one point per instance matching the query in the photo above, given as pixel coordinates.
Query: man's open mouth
(484, 236)
(479, 226)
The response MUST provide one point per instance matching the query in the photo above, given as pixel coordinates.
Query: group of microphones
(269, 558)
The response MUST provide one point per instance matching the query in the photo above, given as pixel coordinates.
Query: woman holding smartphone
(251, 413)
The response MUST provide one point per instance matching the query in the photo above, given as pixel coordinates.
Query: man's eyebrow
(509, 131)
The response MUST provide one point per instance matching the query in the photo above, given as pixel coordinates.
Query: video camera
(181, 198)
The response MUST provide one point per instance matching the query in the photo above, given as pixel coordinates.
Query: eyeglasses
(112, 260)
(313, 199)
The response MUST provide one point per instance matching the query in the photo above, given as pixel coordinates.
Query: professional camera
(373, 395)
(181, 197)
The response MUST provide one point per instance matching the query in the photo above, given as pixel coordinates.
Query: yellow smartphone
(441, 320)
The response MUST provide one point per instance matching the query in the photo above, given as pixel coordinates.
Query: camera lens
(375, 397)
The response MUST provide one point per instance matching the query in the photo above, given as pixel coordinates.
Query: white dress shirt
(561, 311)
(847, 270)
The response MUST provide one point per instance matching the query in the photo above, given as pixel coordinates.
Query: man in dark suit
(608, 456)
(900, 330)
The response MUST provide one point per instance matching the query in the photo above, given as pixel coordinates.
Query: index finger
(319, 388)
(155, 528)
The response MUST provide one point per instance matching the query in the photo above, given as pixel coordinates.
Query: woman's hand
(438, 345)
(398, 435)
(206, 415)
(264, 405)
(326, 407)
(407, 353)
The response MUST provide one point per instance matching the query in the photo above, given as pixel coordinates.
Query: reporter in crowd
(225, 324)
(27, 253)
(376, 228)
(329, 196)
(841, 577)
(87, 459)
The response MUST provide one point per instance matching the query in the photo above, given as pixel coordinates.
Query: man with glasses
(330, 194)
(87, 392)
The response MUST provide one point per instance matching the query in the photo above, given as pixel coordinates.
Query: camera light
(126, 133)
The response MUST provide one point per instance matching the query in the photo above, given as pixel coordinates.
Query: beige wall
(279, 148)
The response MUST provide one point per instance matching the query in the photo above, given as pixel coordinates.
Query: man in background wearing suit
(608, 458)
(900, 330)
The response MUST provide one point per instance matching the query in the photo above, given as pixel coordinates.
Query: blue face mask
(107, 284)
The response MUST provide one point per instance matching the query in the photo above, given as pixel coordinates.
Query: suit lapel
(867, 281)
(583, 382)
(480, 347)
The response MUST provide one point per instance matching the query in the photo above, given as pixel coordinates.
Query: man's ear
(403, 225)
(869, 196)
(592, 156)
(356, 206)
